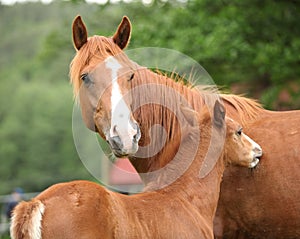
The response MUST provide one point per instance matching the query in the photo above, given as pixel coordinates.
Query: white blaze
(256, 151)
(255, 146)
(120, 113)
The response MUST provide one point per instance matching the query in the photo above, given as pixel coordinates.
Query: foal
(183, 209)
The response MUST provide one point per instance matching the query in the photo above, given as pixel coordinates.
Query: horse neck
(175, 171)
(161, 98)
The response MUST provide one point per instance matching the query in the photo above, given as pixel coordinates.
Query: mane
(168, 96)
(100, 47)
(247, 109)
(175, 76)
(97, 47)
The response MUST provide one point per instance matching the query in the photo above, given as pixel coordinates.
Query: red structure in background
(124, 177)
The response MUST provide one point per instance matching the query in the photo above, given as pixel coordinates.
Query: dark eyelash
(85, 77)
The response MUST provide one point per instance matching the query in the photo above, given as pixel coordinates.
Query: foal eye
(108, 51)
(131, 77)
(239, 132)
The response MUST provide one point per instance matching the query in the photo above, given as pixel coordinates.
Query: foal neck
(183, 170)
(201, 193)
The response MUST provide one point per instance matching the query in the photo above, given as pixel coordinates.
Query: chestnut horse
(263, 203)
(183, 209)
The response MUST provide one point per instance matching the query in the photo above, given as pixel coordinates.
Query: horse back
(70, 210)
(264, 202)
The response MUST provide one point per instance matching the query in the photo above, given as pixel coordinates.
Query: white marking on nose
(255, 146)
(120, 113)
(256, 151)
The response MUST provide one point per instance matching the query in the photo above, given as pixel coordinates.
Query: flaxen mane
(248, 109)
(98, 47)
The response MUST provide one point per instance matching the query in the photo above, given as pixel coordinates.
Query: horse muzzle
(123, 145)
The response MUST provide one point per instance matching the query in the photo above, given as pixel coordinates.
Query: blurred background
(249, 47)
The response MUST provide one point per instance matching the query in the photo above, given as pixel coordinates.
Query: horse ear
(219, 114)
(122, 35)
(191, 116)
(79, 33)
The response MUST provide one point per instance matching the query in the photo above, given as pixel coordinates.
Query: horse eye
(85, 77)
(131, 77)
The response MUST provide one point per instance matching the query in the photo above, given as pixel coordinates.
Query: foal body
(183, 209)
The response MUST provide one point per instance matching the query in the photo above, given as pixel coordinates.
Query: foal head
(101, 74)
(239, 148)
(235, 147)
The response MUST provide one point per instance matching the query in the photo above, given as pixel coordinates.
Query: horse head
(102, 74)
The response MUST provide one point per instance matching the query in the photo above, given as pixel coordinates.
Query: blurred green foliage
(249, 46)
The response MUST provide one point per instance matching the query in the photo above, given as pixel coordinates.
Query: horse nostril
(114, 131)
(115, 142)
(258, 152)
(137, 136)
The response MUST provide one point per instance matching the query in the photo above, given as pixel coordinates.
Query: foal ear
(79, 33)
(122, 35)
(191, 116)
(219, 114)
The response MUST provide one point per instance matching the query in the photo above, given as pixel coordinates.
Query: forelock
(98, 47)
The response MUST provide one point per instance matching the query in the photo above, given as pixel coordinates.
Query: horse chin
(119, 153)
